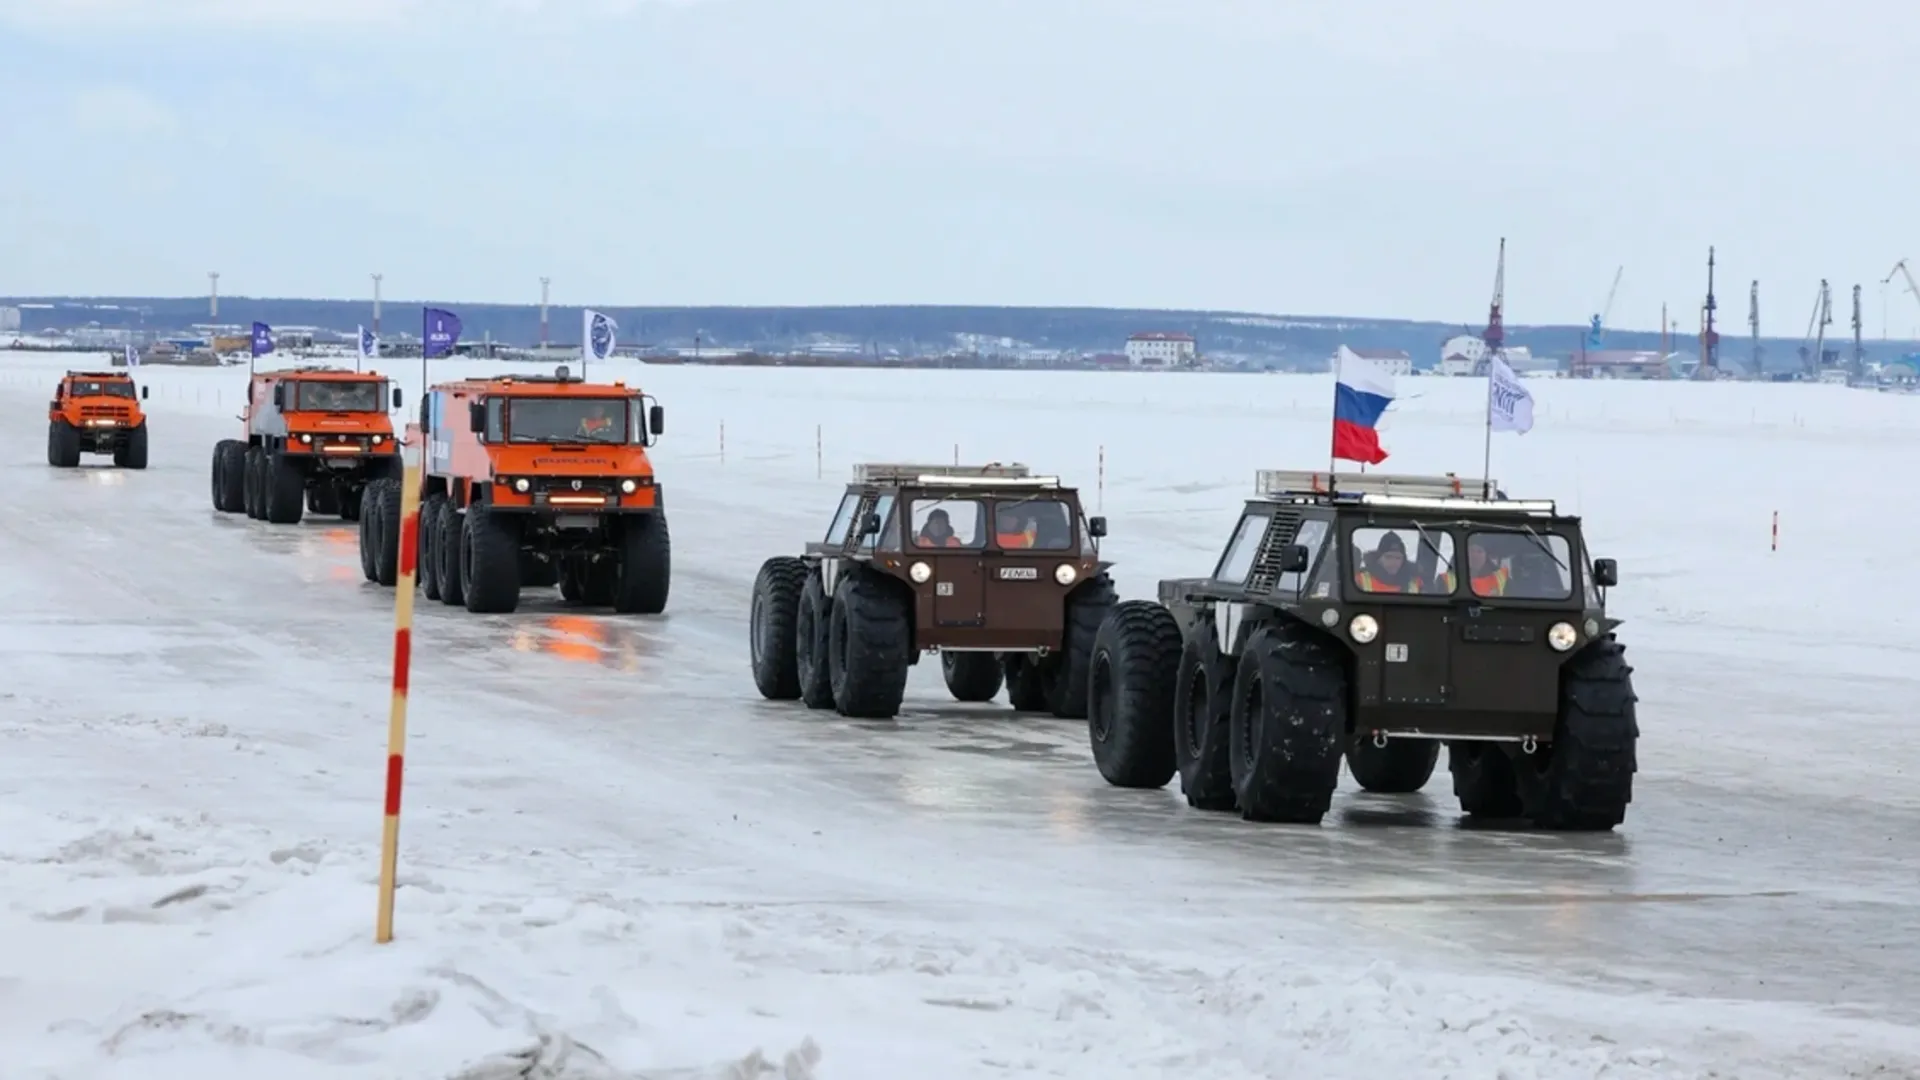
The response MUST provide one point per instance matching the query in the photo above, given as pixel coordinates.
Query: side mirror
(54, 404)
(870, 526)
(143, 392)
(279, 395)
(477, 417)
(657, 420)
(397, 399)
(1295, 558)
(1096, 527)
(1606, 573)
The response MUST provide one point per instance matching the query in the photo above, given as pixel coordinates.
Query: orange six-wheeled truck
(315, 438)
(531, 482)
(97, 412)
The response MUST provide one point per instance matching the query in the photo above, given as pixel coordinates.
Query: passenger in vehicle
(1014, 527)
(1487, 577)
(1386, 570)
(596, 424)
(937, 532)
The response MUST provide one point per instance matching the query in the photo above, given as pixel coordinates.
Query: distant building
(1464, 355)
(9, 318)
(1396, 362)
(1156, 348)
(1621, 364)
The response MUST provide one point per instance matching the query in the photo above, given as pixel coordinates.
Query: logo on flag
(439, 332)
(1509, 402)
(1362, 390)
(597, 335)
(133, 357)
(369, 345)
(262, 339)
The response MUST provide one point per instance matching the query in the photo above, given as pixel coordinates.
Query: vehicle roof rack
(896, 473)
(1392, 489)
(311, 369)
(122, 374)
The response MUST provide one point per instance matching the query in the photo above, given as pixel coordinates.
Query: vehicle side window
(496, 420)
(883, 506)
(843, 519)
(949, 523)
(1237, 561)
(1403, 560)
(1520, 565)
(1313, 537)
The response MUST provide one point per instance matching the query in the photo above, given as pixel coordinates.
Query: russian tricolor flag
(1362, 389)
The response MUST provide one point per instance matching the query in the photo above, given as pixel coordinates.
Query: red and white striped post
(1776, 530)
(1100, 494)
(402, 665)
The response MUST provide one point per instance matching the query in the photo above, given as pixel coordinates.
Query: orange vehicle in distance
(314, 438)
(531, 481)
(96, 412)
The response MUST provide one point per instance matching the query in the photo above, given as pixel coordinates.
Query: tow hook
(1529, 745)
(1379, 740)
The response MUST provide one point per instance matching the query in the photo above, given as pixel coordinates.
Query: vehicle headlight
(919, 572)
(1364, 628)
(1562, 636)
(523, 485)
(306, 438)
(1065, 573)
(1329, 617)
(628, 487)
(378, 439)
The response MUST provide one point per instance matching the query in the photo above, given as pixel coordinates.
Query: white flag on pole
(133, 357)
(596, 335)
(369, 345)
(1509, 402)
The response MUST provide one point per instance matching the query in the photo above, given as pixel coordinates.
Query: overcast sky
(1228, 154)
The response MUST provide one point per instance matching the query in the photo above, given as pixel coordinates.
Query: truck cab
(97, 412)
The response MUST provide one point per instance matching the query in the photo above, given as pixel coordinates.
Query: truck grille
(1266, 565)
(105, 412)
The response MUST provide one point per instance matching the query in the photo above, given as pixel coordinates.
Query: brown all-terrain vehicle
(996, 569)
(97, 412)
(1372, 618)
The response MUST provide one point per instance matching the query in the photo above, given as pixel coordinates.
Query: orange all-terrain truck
(97, 412)
(531, 482)
(315, 438)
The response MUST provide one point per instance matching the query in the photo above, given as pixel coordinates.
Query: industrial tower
(544, 283)
(1709, 337)
(1753, 327)
(1858, 369)
(376, 304)
(1495, 335)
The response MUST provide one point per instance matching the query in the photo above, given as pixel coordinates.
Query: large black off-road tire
(131, 453)
(1289, 726)
(1401, 767)
(971, 676)
(490, 561)
(1583, 780)
(1483, 779)
(63, 445)
(1026, 680)
(1068, 669)
(286, 490)
(446, 552)
(386, 532)
(811, 642)
(369, 515)
(429, 567)
(229, 483)
(644, 573)
(1136, 655)
(253, 494)
(771, 625)
(1202, 720)
(869, 645)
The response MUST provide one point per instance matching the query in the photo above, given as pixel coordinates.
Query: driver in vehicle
(597, 424)
(937, 532)
(1386, 570)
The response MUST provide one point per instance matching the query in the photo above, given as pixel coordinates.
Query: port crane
(1817, 323)
(1597, 332)
(1912, 285)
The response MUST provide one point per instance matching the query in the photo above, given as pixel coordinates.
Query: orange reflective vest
(1373, 584)
(1016, 540)
(1494, 584)
(595, 424)
(927, 541)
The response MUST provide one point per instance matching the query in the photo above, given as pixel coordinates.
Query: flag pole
(1486, 455)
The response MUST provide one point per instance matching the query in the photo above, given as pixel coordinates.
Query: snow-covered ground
(617, 860)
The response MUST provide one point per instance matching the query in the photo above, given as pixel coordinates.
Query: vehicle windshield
(1040, 524)
(100, 388)
(361, 395)
(948, 523)
(567, 420)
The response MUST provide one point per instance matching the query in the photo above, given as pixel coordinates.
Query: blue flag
(262, 339)
(439, 331)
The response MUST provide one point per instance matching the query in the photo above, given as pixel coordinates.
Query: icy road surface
(620, 862)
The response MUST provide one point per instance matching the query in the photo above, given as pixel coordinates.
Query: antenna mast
(1495, 338)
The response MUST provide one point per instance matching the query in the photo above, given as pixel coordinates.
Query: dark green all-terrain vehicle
(1372, 618)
